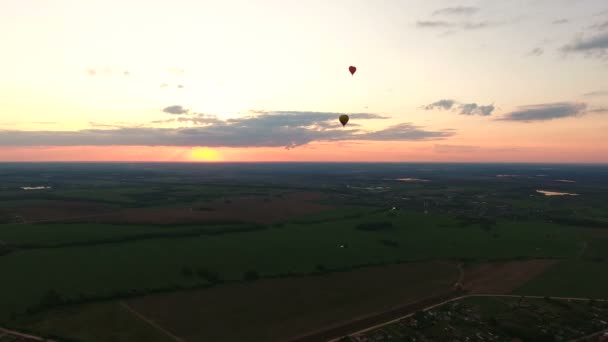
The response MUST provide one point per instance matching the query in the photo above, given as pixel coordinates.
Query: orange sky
(493, 81)
(342, 152)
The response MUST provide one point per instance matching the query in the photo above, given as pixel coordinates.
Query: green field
(51, 235)
(291, 249)
(271, 250)
(570, 278)
(265, 310)
(109, 321)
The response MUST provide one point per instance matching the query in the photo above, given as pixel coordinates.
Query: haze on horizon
(265, 80)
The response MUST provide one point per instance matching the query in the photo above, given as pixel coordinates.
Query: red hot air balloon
(352, 69)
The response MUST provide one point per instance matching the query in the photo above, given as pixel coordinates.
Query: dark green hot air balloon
(343, 119)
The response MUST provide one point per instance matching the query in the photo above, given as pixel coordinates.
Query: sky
(266, 80)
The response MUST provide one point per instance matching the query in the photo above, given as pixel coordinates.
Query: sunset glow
(209, 81)
(204, 154)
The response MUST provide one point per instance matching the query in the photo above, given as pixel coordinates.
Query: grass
(267, 310)
(42, 235)
(101, 322)
(570, 278)
(293, 248)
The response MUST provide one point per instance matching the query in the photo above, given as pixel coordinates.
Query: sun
(205, 154)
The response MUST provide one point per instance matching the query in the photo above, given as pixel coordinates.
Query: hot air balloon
(352, 69)
(343, 119)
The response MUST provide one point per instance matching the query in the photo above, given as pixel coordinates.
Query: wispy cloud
(536, 51)
(596, 93)
(445, 104)
(601, 26)
(560, 21)
(467, 25)
(176, 110)
(457, 10)
(434, 24)
(264, 129)
(450, 20)
(602, 110)
(545, 112)
(475, 109)
(464, 108)
(590, 46)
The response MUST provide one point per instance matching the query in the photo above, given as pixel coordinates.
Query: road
(374, 327)
(4, 331)
(374, 319)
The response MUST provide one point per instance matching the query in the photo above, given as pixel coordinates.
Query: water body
(555, 193)
(35, 187)
(412, 180)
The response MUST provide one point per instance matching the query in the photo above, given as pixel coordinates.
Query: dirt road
(28, 337)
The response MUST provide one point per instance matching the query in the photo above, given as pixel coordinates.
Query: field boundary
(150, 322)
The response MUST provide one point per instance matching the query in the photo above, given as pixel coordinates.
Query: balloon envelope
(352, 69)
(343, 119)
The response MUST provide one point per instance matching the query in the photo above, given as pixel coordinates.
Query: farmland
(164, 235)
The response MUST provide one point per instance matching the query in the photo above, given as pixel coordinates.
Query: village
(498, 319)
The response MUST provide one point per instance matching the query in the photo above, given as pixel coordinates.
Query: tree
(50, 299)
(251, 275)
(187, 272)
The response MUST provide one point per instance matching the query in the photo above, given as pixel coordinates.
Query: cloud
(164, 121)
(91, 72)
(598, 110)
(445, 104)
(465, 108)
(536, 51)
(600, 26)
(201, 119)
(560, 21)
(467, 25)
(458, 10)
(403, 132)
(113, 125)
(544, 112)
(474, 109)
(176, 110)
(180, 86)
(433, 24)
(476, 25)
(596, 93)
(594, 46)
(262, 129)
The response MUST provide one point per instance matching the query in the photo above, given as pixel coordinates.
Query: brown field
(247, 209)
(503, 277)
(276, 309)
(56, 211)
